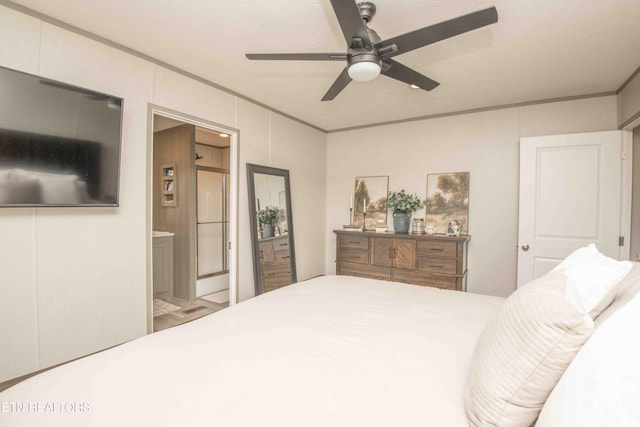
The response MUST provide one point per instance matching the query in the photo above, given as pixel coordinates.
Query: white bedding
(331, 351)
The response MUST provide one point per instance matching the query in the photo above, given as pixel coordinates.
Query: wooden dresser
(437, 260)
(275, 265)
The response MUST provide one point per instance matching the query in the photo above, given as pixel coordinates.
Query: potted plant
(403, 205)
(268, 218)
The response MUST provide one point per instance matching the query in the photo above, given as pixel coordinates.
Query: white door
(570, 196)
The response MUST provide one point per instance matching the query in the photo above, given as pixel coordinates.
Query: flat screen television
(59, 144)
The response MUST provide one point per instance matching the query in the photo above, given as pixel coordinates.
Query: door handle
(525, 247)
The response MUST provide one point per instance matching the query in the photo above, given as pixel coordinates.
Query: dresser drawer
(437, 265)
(276, 275)
(281, 244)
(424, 279)
(354, 255)
(354, 242)
(437, 248)
(281, 257)
(361, 270)
(267, 288)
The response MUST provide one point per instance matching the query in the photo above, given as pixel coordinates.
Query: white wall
(484, 144)
(630, 100)
(74, 281)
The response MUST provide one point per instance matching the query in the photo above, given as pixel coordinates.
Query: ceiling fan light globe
(364, 71)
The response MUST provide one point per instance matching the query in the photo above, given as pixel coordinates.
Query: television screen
(59, 144)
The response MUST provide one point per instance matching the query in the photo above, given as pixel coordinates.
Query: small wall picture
(447, 203)
(453, 228)
(370, 195)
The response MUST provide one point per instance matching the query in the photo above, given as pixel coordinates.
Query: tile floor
(187, 312)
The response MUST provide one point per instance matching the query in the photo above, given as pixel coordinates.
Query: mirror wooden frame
(253, 220)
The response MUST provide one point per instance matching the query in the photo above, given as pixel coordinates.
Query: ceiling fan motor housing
(367, 10)
(355, 56)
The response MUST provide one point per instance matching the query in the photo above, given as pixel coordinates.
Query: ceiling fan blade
(435, 33)
(351, 22)
(341, 82)
(397, 71)
(298, 56)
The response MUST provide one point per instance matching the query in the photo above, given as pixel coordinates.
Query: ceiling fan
(368, 56)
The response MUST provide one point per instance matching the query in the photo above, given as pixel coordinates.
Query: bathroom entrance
(194, 189)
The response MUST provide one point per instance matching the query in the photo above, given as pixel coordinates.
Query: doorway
(192, 198)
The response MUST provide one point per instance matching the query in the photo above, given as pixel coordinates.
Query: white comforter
(331, 351)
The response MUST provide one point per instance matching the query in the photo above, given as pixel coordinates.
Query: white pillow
(592, 278)
(522, 353)
(601, 387)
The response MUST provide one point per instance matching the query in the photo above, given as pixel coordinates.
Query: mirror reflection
(271, 205)
(271, 227)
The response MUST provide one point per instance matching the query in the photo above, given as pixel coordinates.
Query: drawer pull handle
(436, 266)
(353, 257)
(286, 257)
(284, 244)
(354, 242)
(271, 274)
(437, 249)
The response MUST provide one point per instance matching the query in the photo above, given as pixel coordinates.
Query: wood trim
(476, 110)
(629, 123)
(626, 83)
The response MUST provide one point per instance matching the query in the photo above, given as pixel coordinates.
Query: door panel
(381, 252)
(212, 224)
(210, 258)
(570, 196)
(210, 196)
(568, 192)
(405, 254)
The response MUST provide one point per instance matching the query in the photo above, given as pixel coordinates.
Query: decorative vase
(267, 230)
(401, 222)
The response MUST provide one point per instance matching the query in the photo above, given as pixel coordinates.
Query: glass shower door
(212, 222)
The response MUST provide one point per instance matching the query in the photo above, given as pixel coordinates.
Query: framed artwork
(453, 228)
(447, 203)
(370, 196)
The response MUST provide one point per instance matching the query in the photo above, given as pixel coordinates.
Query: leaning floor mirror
(274, 261)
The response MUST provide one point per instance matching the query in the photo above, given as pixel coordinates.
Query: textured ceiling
(539, 49)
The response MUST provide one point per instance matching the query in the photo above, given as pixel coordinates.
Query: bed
(330, 351)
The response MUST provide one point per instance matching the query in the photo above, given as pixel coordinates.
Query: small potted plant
(268, 218)
(403, 205)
